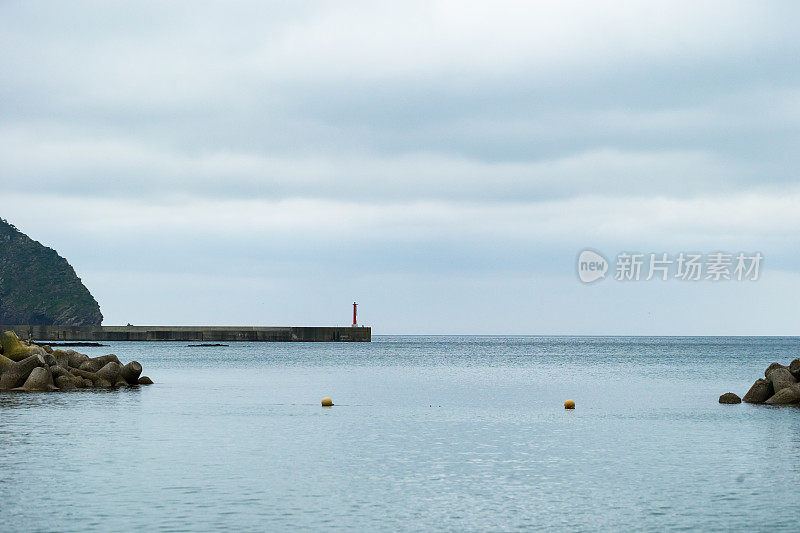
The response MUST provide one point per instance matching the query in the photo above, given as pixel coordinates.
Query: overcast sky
(442, 163)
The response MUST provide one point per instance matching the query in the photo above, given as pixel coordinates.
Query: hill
(39, 287)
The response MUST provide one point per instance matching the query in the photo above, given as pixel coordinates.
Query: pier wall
(192, 333)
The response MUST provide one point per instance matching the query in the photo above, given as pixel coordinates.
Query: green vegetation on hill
(39, 287)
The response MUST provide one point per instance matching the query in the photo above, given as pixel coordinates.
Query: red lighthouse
(355, 322)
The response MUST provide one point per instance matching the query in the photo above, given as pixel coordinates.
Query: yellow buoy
(327, 402)
(569, 404)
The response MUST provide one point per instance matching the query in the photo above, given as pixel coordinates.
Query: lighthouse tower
(355, 308)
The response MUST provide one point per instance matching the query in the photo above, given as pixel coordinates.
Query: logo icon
(591, 266)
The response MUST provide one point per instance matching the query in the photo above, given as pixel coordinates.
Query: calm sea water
(428, 433)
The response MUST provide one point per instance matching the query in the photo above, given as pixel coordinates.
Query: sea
(439, 433)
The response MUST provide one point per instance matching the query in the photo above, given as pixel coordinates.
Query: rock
(38, 380)
(47, 348)
(75, 359)
(60, 369)
(729, 398)
(14, 373)
(95, 380)
(15, 349)
(794, 368)
(62, 357)
(786, 396)
(82, 373)
(36, 350)
(110, 372)
(50, 359)
(66, 383)
(771, 367)
(61, 372)
(780, 377)
(93, 364)
(131, 372)
(760, 392)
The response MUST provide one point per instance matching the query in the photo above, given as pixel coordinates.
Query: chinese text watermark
(683, 266)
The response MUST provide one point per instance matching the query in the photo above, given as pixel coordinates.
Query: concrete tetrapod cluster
(779, 386)
(28, 367)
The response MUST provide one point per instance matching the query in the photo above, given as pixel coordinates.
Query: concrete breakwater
(191, 333)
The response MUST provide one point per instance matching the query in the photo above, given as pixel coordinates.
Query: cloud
(409, 236)
(113, 168)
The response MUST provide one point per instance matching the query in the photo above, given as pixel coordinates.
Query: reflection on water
(464, 433)
(25, 399)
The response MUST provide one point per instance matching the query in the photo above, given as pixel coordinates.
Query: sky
(442, 163)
